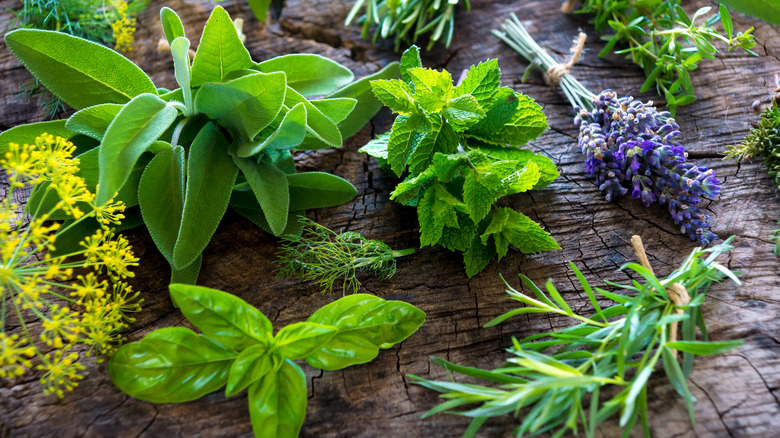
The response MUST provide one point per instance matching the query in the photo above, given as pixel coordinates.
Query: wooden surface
(738, 392)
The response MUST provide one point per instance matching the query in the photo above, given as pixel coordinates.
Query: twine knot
(554, 74)
(677, 292)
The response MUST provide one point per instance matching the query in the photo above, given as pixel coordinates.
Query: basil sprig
(238, 350)
(178, 159)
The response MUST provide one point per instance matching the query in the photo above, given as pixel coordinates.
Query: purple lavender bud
(628, 144)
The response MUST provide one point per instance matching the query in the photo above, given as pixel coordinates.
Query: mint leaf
(401, 144)
(408, 192)
(432, 89)
(527, 123)
(410, 59)
(441, 137)
(481, 82)
(507, 226)
(377, 147)
(463, 111)
(436, 210)
(480, 191)
(458, 239)
(478, 256)
(394, 94)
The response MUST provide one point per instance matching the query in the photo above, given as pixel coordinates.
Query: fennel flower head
(55, 300)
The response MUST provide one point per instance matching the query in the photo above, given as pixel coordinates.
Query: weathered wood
(737, 392)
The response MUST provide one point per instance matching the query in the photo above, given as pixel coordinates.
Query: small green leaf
(507, 226)
(309, 74)
(138, 125)
(245, 105)
(704, 348)
(93, 121)
(220, 50)
(210, 178)
(171, 365)
(182, 71)
(249, 367)
(365, 323)
(377, 147)
(336, 109)
(436, 210)
(78, 71)
(463, 111)
(277, 402)
(318, 190)
(221, 316)
(767, 10)
(323, 132)
(161, 198)
(171, 24)
(259, 8)
(394, 94)
(481, 82)
(289, 134)
(271, 190)
(401, 144)
(410, 59)
(477, 256)
(296, 341)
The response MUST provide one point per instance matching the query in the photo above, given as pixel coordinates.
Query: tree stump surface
(738, 392)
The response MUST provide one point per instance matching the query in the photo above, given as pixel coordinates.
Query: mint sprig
(457, 148)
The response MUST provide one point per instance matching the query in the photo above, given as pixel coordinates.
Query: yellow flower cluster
(123, 27)
(87, 311)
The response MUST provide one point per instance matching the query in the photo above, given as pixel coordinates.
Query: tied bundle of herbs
(406, 20)
(457, 146)
(628, 144)
(178, 159)
(550, 376)
(238, 350)
(764, 141)
(667, 43)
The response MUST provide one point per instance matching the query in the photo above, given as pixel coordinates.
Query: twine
(554, 74)
(568, 6)
(677, 292)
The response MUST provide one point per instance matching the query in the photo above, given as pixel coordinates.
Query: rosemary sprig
(407, 19)
(549, 375)
(325, 257)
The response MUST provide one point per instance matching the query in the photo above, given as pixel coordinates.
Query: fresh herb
(766, 10)
(764, 141)
(238, 349)
(320, 255)
(37, 273)
(551, 374)
(458, 145)
(260, 8)
(406, 20)
(661, 38)
(222, 139)
(629, 144)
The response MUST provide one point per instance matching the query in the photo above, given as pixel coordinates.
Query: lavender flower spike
(629, 145)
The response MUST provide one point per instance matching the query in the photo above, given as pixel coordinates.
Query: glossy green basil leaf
(318, 190)
(367, 103)
(171, 24)
(220, 50)
(366, 323)
(93, 121)
(271, 190)
(210, 178)
(323, 132)
(299, 340)
(277, 402)
(171, 365)
(161, 198)
(290, 133)
(249, 367)
(138, 125)
(309, 74)
(245, 105)
(78, 71)
(221, 316)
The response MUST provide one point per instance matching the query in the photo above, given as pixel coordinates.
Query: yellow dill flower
(123, 27)
(90, 311)
(14, 355)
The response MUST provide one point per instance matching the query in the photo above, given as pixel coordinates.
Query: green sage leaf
(171, 24)
(318, 190)
(93, 121)
(309, 74)
(220, 50)
(161, 198)
(271, 190)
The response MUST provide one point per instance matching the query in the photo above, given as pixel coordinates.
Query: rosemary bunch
(550, 375)
(405, 20)
(660, 37)
(318, 254)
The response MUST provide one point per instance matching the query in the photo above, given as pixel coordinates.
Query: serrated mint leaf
(410, 59)
(440, 137)
(463, 111)
(394, 94)
(401, 144)
(448, 166)
(436, 210)
(507, 226)
(432, 89)
(548, 172)
(458, 239)
(408, 191)
(527, 123)
(377, 147)
(478, 256)
(480, 191)
(481, 81)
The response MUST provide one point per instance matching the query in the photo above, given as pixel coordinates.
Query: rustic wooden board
(738, 392)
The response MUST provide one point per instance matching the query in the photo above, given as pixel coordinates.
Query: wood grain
(738, 393)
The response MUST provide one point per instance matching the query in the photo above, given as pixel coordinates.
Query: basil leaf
(366, 323)
(318, 190)
(220, 50)
(298, 340)
(249, 367)
(93, 121)
(221, 316)
(271, 190)
(78, 71)
(210, 178)
(290, 133)
(277, 403)
(161, 198)
(245, 105)
(171, 24)
(137, 126)
(367, 104)
(171, 365)
(309, 74)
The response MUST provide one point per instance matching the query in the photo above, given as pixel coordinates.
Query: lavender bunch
(629, 145)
